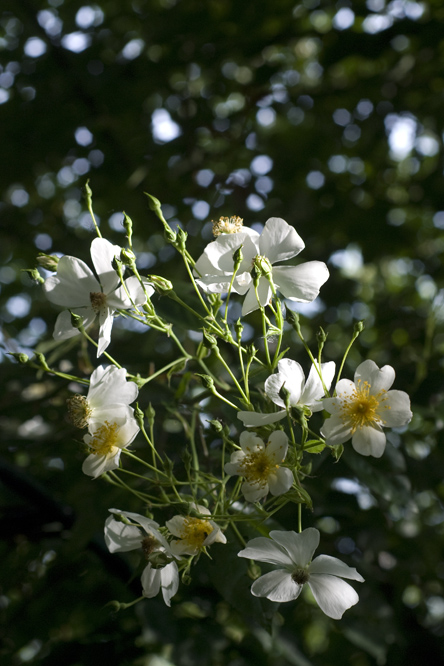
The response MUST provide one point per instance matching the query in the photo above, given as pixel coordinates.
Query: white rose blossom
(258, 463)
(109, 392)
(74, 286)
(277, 242)
(193, 534)
(106, 439)
(302, 393)
(362, 408)
(292, 553)
(161, 572)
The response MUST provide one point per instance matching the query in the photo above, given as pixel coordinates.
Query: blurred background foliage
(328, 114)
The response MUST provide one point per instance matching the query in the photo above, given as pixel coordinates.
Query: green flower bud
(238, 327)
(34, 275)
(208, 340)
(138, 415)
(237, 257)
(48, 261)
(216, 425)
(207, 381)
(150, 413)
(21, 358)
(127, 257)
(181, 238)
(358, 327)
(263, 266)
(321, 336)
(292, 318)
(160, 284)
(153, 203)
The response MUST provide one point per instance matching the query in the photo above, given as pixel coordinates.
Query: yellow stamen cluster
(98, 300)
(256, 467)
(79, 410)
(361, 409)
(195, 531)
(104, 440)
(227, 225)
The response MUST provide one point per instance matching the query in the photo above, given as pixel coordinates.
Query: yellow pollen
(195, 531)
(257, 467)
(362, 409)
(98, 300)
(104, 440)
(227, 225)
(79, 410)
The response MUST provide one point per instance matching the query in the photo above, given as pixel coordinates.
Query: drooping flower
(106, 439)
(362, 408)
(193, 534)
(108, 392)
(161, 572)
(258, 463)
(277, 242)
(301, 393)
(74, 286)
(292, 553)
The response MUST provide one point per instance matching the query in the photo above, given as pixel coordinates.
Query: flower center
(104, 440)
(227, 225)
(257, 467)
(79, 410)
(300, 576)
(195, 531)
(361, 409)
(98, 300)
(149, 545)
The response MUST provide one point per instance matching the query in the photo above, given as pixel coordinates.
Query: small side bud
(208, 340)
(127, 257)
(34, 275)
(20, 357)
(207, 381)
(358, 327)
(128, 225)
(285, 396)
(160, 284)
(138, 415)
(251, 353)
(238, 327)
(292, 318)
(263, 266)
(150, 414)
(41, 360)
(118, 266)
(76, 321)
(48, 261)
(153, 203)
(216, 425)
(181, 238)
(238, 257)
(321, 336)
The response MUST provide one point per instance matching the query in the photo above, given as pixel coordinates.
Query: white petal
(280, 481)
(118, 299)
(108, 387)
(292, 376)
(333, 594)
(325, 564)
(335, 431)
(300, 547)
(95, 465)
(266, 550)
(276, 586)
(313, 390)
(250, 301)
(176, 526)
(72, 284)
(395, 409)
(169, 580)
(151, 579)
(102, 254)
(301, 283)
(257, 419)
(220, 252)
(277, 446)
(253, 491)
(128, 431)
(279, 241)
(214, 284)
(378, 379)
(149, 526)
(369, 441)
(215, 536)
(120, 537)
(250, 442)
(63, 329)
(106, 324)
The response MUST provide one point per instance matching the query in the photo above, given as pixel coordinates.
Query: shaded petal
(72, 284)
(214, 284)
(120, 537)
(263, 549)
(276, 586)
(169, 580)
(325, 564)
(151, 579)
(301, 283)
(379, 379)
(106, 324)
(250, 302)
(149, 526)
(279, 241)
(176, 526)
(280, 481)
(254, 491)
(63, 329)
(220, 252)
(250, 442)
(257, 419)
(102, 255)
(277, 446)
(215, 536)
(313, 390)
(108, 386)
(291, 374)
(369, 441)
(335, 431)
(395, 410)
(95, 465)
(333, 595)
(118, 299)
(300, 547)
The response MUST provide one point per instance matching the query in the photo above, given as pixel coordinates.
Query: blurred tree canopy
(327, 114)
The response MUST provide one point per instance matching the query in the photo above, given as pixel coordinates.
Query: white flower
(161, 572)
(75, 287)
(106, 439)
(302, 393)
(194, 533)
(259, 465)
(277, 242)
(293, 553)
(363, 407)
(108, 392)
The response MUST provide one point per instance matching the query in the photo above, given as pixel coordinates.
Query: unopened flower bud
(321, 336)
(292, 318)
(216, 425)
(238, 257)
(181, 238)
(117, 264)
(208, 340)
(34, 275)
(263, 266)
(207, 381)
(138, 415)
(128, 224)
(20, 357)
(40, 358)
(285, 396)
(48, 261)
(127, 257)
(153, 203)
(160, 284)
(358, 327)
(238, 327)
(76, 321)
(150, 413)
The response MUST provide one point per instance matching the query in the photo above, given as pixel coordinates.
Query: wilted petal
(106, 324)
(333, 595)
(277, 586)
(301, 283)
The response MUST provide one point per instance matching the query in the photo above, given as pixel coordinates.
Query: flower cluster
(266, 416)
